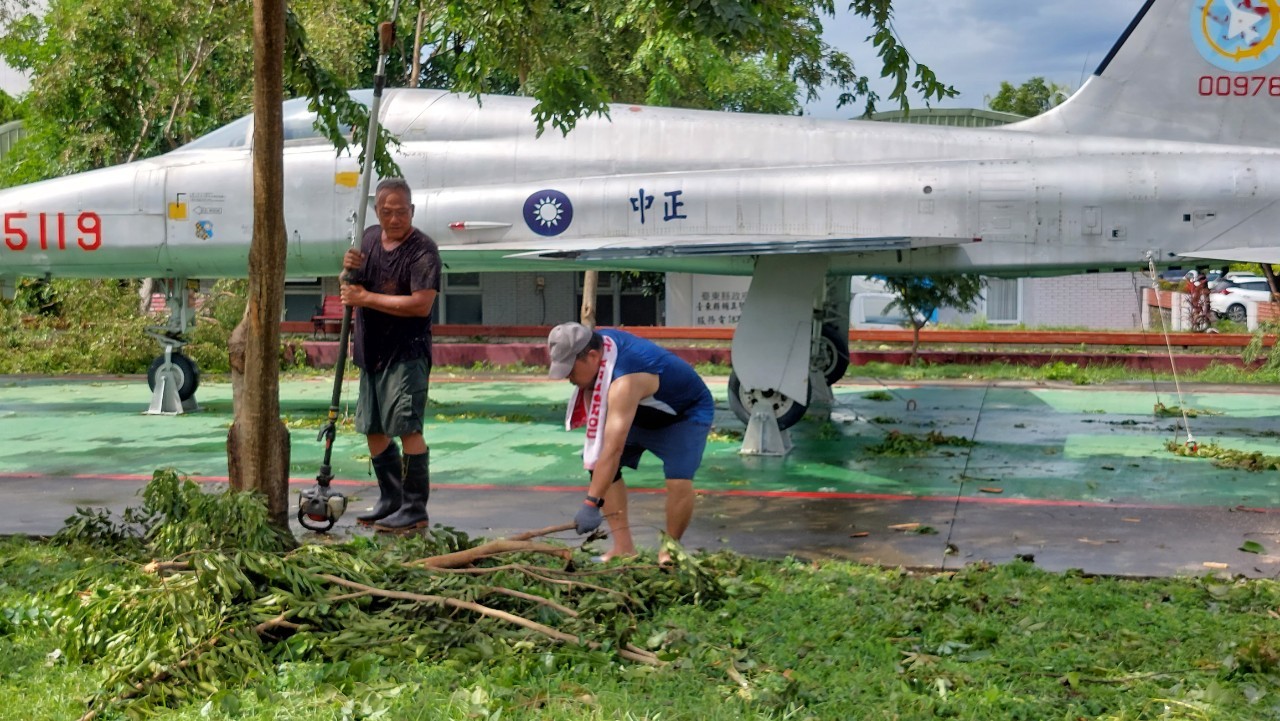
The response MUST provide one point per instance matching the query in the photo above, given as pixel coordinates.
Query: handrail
(958, 337)
(10, 133)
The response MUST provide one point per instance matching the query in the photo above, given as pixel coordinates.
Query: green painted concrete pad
(1064, 443)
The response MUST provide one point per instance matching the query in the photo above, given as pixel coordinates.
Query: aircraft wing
(727, 246)
(1238, 255)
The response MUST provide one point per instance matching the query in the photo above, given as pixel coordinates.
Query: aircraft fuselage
(666, 189)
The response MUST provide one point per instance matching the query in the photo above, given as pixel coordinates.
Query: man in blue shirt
(632, 396)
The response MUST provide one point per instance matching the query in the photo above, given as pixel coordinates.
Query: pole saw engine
(321, 505)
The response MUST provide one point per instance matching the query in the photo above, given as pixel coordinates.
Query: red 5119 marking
(49, 231)
(1239, 85)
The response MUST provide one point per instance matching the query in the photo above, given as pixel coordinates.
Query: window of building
(460, 300)
(302, 296)
(1004, 300)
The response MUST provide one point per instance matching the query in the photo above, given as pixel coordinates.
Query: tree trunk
(1269, 271)
(258, 442)
(417, 52)
(144, 295)
(590, 279)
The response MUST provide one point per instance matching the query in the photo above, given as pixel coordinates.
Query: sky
(975, 44)
(970, 44)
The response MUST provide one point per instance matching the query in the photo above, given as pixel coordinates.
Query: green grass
(792, 640)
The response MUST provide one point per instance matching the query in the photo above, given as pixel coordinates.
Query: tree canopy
(1029, 99)
(115, 80)
(918, 297)
(8, 107)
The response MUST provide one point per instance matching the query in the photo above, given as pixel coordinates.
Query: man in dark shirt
(397, 277)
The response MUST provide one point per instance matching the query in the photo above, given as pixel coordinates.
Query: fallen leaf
(859, 534)
(991, 489)
(1252, 547)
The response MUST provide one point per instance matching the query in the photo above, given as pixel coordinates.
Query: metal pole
(386, 35)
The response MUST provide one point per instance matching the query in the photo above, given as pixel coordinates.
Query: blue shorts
(679, 445)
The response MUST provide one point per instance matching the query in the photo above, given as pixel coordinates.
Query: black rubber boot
(386, 466)
(417, 488)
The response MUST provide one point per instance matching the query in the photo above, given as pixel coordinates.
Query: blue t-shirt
(681, 393)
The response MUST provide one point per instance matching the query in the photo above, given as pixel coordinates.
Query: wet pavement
(1071, 477)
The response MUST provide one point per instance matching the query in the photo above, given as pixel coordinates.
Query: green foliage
(223, 308)
(9, 108)
(237, 606)
(1059, 371)
(919, 296)
(897, 62)
(1226, 457)
(73, 326)
(114, 81)
(790, 638)
(176, 517)
(94, 326)
(1175, 411)
(575, 57)
(1029, 99)
(897, 443)
(105, 90)
(338, 115)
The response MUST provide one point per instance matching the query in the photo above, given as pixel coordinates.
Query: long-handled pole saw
(319, 507)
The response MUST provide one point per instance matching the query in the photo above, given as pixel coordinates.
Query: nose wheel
(182, 373)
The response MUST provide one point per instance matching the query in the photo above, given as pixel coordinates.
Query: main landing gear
(173, 377)
(786, 355)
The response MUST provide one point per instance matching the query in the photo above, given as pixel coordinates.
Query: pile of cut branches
(1227, 457)
(897, 443)
(206, 618)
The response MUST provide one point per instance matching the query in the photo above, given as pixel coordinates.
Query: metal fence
(9, 135)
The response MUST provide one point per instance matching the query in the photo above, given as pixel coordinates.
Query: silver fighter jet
(1168, 150)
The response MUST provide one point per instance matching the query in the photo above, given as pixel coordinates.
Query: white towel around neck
(590, 411)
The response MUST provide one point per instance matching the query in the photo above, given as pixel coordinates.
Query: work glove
(588, 517)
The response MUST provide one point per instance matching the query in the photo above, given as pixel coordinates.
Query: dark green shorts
(393, 401)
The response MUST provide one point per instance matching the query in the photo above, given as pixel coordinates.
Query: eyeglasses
(394, 212)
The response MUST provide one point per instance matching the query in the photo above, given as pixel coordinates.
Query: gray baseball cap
(564, 343)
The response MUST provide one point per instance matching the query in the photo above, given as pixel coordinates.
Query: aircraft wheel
(743, 400)
(832, 356)
(185, 374)
(1237, 313)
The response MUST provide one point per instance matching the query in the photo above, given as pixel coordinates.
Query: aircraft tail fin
(1192, 70)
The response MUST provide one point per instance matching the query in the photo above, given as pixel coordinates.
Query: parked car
(1235, 277)
(1233, 301)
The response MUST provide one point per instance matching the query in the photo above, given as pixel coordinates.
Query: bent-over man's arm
(625, 394)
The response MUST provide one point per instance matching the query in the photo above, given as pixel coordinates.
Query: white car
(1233, 301)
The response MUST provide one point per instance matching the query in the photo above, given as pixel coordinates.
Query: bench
(327, 314)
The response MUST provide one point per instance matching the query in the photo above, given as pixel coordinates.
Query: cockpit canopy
(299, 127)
